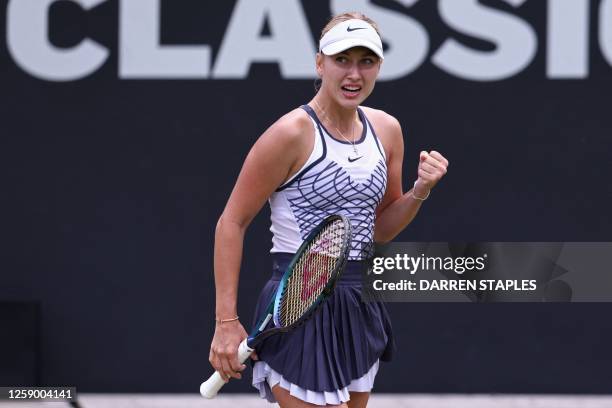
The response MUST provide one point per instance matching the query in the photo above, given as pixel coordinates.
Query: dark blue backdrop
(111, 188)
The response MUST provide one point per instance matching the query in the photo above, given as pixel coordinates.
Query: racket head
(313, 272)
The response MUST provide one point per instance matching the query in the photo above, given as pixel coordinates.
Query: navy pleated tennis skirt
(338, 344)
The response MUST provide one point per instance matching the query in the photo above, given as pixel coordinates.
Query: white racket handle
(211, 387)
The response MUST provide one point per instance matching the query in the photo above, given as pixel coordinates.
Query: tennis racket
(309, 279)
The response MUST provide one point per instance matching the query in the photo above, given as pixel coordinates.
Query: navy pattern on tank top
(332, 191)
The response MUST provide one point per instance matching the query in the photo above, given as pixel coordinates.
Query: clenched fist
(432, 167)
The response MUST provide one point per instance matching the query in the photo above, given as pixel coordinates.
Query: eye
(368, 61)
(341, 59)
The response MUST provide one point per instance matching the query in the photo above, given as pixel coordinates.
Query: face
(348, 77)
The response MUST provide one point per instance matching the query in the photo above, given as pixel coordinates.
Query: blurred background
(124, 126)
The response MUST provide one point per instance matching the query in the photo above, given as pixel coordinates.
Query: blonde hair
(339, 18)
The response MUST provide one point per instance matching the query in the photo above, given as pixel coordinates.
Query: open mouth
(351, 88)
(350, 91)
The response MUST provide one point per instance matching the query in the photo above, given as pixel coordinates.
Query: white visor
(349, 34)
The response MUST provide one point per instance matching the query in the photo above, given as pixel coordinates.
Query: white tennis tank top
(334, 180)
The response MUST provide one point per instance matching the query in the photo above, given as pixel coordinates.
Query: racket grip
(211, 387)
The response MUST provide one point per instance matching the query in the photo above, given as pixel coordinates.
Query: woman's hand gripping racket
(309, 279)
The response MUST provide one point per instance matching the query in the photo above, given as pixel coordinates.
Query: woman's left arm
(398, 209)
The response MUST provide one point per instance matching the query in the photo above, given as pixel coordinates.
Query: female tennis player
(330, 156)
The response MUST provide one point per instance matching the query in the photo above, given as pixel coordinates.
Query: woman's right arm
(273, 158)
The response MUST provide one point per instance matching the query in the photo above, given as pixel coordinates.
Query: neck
(342, 118)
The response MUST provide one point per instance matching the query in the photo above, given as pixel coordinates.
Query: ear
(319, 64)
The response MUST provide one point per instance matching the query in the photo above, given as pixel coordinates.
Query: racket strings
(312, 272)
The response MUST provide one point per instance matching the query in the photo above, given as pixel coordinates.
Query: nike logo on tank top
(334, 180)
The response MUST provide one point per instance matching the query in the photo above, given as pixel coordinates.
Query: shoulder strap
(299, 174)
(369, 124)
